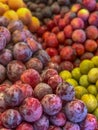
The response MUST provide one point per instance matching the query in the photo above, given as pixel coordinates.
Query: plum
(81, 36)
(68, 53)
(89, 123)
(33, 44)
(42, 56)
(51, 40)
(15, 25)
(90, 5)
(59, 119)
(14, 96)
(14, 70)
(26, 89)
(68, 31)
(77, 23)
(54, 81)
(41, 90)
(31, 109)
(4, 21)
(66, 65)
(51, 103)
(93, 18)
(11, 118)
(31, 77)
(46, 74)
(34, 63)
(18, 36)
(6, 33)
(22, 52)
(42, 123)
(75, 111)
(90, 45)
(92, 32)
(5, 56)
(65, 91)
(52, 65)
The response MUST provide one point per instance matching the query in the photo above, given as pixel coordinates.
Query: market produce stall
(48, 65)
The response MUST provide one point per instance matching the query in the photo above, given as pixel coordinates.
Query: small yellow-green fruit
(92, 89)
(76, 74)
(95, 61)
(65, 74)
(85, 66)
(93, 75)
(83, 81)
(73, 82)
(90, 101)
(80, 91)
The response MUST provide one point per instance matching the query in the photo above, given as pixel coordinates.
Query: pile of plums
(45, 10)
(42, 102)
(73, 37)
(33, 96)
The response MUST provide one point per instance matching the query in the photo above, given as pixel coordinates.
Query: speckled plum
(89, 123)
(31, 77)
(22, 52)
(52, 104)
(34, 63)
(31, 109)
(59, 119)
(65, 91)
(41, 90)
(48, 73)
(14, 70)
(14, 96)
(75, 111)
(5, 56)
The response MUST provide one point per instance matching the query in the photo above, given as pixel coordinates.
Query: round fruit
(92, 89)
(90, 101)
(93, 75)
(80, 91)
(72, 81)
(76, 74)
(85, 66)
(83, 81)
(95, 61)
(65, 74)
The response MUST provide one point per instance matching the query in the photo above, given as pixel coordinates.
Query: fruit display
(35, 93)
(72, 37)
(85, 81)
(32, 95)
